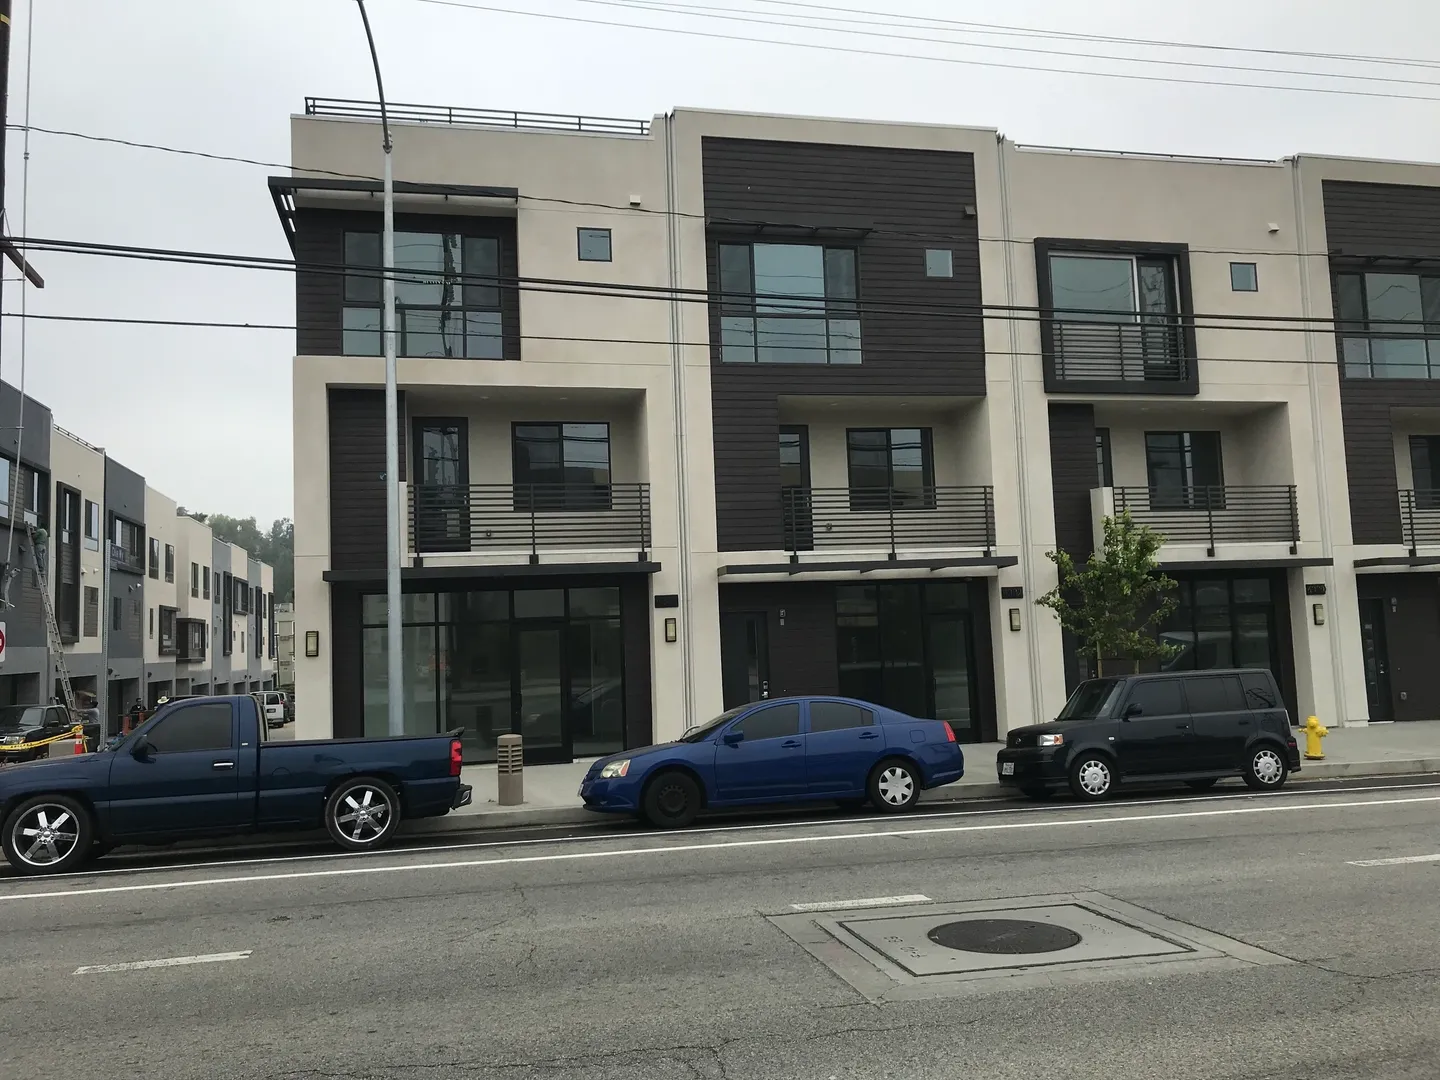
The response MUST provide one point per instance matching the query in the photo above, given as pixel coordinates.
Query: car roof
(797, 698)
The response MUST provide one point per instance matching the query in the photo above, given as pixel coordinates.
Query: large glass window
(788, 304)
(1425, 471)
(1223, 623)
(562, 466)
(447, 295)
(1185, 470)
(890, 468)
(1115, 316)
(1389, 325)
(92, 525)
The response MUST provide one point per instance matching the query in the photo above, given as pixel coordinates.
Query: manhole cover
(1004, 936)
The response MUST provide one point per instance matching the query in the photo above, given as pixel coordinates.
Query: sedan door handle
(870, 735)
(1182, 727)
(791, 742)
(223, 765)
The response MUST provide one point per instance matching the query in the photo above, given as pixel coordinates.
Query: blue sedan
(788, 750)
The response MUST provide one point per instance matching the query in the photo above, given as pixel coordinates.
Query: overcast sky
(205, 415)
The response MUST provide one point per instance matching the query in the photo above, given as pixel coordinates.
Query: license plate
(1007, 768)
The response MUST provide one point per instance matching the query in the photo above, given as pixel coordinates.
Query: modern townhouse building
(125, 605)
(194, 547)
(77, 557)
(25, 437)
(162, 595)
(787, 405)
(285, 646)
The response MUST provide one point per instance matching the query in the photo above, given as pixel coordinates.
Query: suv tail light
(949, 731)
(456, 756)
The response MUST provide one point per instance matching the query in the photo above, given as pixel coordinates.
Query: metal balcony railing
(1420, 517)
(128, 559)
(530, 517)
(1150, 351)
(448, 114)
(888, 518)
(1234, 514)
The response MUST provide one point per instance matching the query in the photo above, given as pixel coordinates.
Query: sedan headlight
(1051, 740)
(615, 768)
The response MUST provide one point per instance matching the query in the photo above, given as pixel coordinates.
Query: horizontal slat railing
(1420, 517)
(889, 518)
(533, 518)
(1215, 514)
(1120, 352)
(399, 112)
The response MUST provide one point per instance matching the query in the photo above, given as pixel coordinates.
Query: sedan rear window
(1091, 698)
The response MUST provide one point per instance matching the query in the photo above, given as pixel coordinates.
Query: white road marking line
(676, 849)
(1399, 860)
(869, 902)
(174, 961)
(792, 823)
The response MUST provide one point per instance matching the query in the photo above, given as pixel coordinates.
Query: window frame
(1140, 684)
(1104, 459)
(154, 560)
(1356, 329)
(739, 723)
(205, 583)
(92, 525)
(871, 500)
(1189, 497)
(947, 271)
(745, 305)
(1253, 270)
(1425, 446)
(169, 564)
(867, 716)
(594, 233)
(564, 496)
(170, 718)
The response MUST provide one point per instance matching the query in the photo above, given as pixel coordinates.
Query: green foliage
(1115, 603)
(275, 546)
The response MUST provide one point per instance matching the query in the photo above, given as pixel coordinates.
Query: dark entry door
(540, 672)
(1376, 657)
(441, 484)
(744, 657)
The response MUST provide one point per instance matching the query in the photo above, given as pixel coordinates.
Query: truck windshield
(1090, 699)
(21, 717)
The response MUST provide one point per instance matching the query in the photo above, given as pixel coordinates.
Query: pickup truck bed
(201, 768)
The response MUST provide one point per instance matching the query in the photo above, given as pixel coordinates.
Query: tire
(1266, 769)
(1202, 785)
(671, 800)
(48, 834)
(1092, 777)
(1039, 794)
(894, 786)
(362, 814)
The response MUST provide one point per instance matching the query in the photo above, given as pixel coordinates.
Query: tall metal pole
(396, 674)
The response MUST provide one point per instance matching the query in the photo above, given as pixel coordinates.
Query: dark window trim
(169, 563)
(590, 497)
(580, 232)
(417, 426)
(1254, 276)
(927, 468)
(1048, 246)
(92, 540)
(1214, 500)
(726, 306)
(1346, 329)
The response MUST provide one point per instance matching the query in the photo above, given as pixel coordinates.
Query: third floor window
(1425, 471)
(789, 304)
(155, 558)
(170, 563)
(1389, 325)
(1184, 470)
(1116, 316)
(890, 468)
(447, 295)
(562, 466)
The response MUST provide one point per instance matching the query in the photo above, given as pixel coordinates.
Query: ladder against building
(38, 541)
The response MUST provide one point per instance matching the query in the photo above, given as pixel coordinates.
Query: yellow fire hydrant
(1314, 732)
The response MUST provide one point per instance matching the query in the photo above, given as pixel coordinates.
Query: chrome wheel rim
(1094, 777)
(45, 835)
(363, 815)
(1268, 767)
(897, 786)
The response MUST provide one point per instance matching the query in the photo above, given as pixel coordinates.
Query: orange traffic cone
(79, 743)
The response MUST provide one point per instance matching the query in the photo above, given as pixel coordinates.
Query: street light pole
(396, 667)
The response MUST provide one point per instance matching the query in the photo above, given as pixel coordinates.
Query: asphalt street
(621, 953)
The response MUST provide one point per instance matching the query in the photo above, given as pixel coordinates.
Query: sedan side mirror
(734, 738)
(142, 750)
(1133, 709)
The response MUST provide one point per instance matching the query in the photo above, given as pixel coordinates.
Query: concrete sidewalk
(552, 791)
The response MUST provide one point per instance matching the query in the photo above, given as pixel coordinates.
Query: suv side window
(193, 728)
(1214, 693)
(1259, 690)
(1155, 697)
(775, 722)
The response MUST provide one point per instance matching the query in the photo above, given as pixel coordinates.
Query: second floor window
(447, 295)
(155, 558)
(170, 563)
(562, 466)
(205, 582)
(1115, 316)
(92, 525)
(1425, 470)
(129, 538)
(195, 580)
(890, 468)
(1389, 325)
(1184, 470)
(788, 304)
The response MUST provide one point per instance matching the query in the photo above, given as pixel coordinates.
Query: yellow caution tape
(77, 732)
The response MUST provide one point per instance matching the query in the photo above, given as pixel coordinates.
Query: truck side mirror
(142, 750)
(1133, 709)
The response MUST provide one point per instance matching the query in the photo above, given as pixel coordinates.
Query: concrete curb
(517, 817)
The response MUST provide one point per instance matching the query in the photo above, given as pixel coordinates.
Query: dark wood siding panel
(1074, 474)
(635, 620)
(1411, 631)
(319, 286)
(1368, 220)
(357, 466)
(1370, 465)
(803, 657)
(912, 339)
(347, 690)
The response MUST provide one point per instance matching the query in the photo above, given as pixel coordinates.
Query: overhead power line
(964, 61)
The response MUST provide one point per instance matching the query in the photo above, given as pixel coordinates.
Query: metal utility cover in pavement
(937, 950)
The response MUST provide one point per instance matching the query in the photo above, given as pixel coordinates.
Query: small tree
(1114, 604)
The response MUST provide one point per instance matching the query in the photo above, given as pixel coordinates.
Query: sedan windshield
(704, 731)
(1090, 699)
(21, 717)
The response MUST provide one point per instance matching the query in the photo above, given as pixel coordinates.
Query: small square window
(1243, 278)
(594, 245)
(939, 262)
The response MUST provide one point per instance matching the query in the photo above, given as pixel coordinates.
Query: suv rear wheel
(1266, 770)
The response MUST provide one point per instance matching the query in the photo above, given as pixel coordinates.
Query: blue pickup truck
(201, 768)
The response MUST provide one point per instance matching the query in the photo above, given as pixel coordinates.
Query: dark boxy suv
(1194, 727)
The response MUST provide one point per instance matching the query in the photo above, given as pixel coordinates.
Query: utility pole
(395, 691)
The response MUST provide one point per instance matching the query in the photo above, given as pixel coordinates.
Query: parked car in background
(1194, 727)
(276, 706)
(22, 725)
(788, 750)
(201, 768)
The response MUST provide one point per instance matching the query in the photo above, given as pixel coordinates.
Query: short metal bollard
(510, 768)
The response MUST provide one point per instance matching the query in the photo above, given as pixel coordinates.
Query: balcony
(130, 560)
(1090, 356)
(1420, 518)
(1212, 516)
(191, 635)
(529, 519)
(892, 519)
(398, 112)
